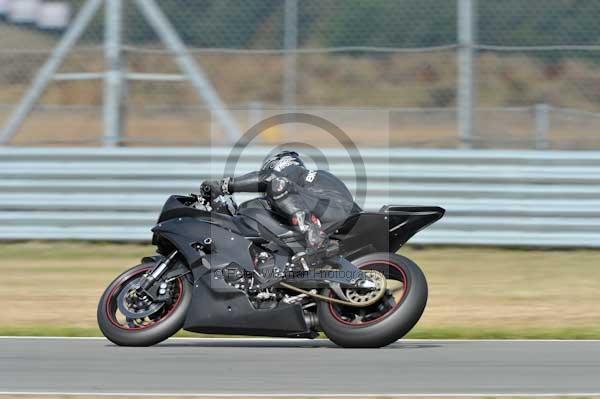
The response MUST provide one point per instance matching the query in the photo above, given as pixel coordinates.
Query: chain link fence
(535, 72)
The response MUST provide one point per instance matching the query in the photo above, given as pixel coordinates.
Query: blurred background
(482, 74)
(490, 109)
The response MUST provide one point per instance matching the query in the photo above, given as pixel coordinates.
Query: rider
(308, 199)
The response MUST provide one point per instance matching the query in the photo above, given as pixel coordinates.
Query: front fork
(150, 278)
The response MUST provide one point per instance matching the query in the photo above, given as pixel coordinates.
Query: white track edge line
(266, 339)
(310, 395)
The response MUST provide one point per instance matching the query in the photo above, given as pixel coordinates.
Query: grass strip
(452, 332)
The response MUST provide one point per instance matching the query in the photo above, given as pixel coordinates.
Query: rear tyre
(388, 320)
(151, 329)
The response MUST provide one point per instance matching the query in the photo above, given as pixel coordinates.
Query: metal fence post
(290, 44)
(113, 78)
(542, 126)
(44, 76)
(466, 71)
(167, 33)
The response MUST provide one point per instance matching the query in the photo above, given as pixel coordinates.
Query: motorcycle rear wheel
(147, 331)
(388, 320)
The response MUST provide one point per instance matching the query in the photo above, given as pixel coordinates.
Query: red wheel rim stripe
(388, 313)
(119, 284)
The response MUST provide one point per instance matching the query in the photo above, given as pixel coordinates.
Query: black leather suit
(291, 188)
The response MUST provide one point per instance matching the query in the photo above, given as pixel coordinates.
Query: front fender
(152, 259)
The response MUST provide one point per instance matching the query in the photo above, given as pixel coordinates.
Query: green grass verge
(480, 293)
(456, 332)
(459, 332)
(48, 331)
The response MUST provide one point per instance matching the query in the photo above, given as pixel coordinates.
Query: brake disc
(133, 307)
(361, 297)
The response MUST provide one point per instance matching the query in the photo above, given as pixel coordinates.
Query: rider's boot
(316, 239)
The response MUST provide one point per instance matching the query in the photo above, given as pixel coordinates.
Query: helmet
(281, 160)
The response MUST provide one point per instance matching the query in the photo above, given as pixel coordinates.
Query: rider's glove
(214, 188)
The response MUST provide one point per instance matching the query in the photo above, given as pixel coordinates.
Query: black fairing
(213, 312)
(216, 306)
(386, 230)
(186, 232)
(178, 206)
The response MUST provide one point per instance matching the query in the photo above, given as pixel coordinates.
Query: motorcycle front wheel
(131, 322)
(385, 321)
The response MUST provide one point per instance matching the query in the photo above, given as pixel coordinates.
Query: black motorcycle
(224, 269)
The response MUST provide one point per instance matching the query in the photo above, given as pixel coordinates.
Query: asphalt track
(299, 367)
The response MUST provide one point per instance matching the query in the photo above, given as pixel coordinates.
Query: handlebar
(221, 204)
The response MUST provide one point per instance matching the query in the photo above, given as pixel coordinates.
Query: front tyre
(159, 321)
(386, 321)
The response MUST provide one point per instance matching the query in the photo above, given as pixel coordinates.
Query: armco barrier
(520, 198)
